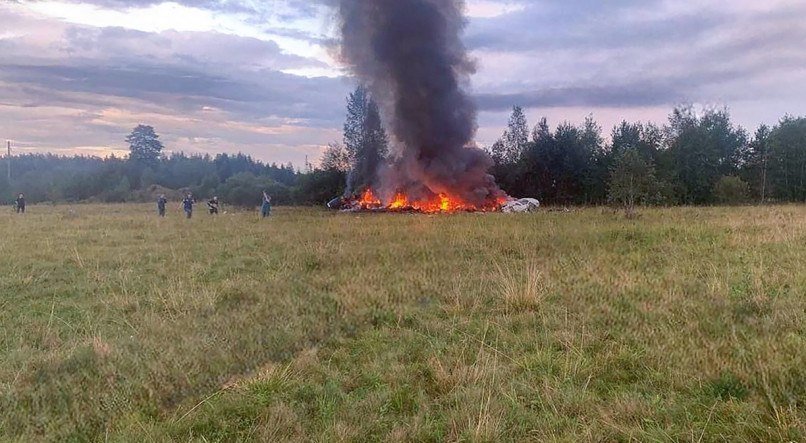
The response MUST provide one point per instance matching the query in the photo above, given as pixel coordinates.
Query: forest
(698, 157)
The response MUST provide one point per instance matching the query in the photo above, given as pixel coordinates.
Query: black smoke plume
(410, 55)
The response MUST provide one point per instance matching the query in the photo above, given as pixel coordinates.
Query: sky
(262, 76)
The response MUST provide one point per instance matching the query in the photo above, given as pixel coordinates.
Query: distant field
(688, 324)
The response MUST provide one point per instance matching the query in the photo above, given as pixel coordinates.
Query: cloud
(199, 48)
(183, 69)
(245, 77)
(634, 95)
(281, 9)
(631, 53)
(63, 86)
(216, 5)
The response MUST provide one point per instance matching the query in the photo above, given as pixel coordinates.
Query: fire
(369, 200)
(400, 201)
(444, 202)
(441, 203)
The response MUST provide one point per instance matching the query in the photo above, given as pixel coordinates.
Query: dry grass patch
(522, 289)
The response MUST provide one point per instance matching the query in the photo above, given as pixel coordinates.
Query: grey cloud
(194, 48)
(291, 9)
(268, 94)
(609, 58)
(552, 54)
(634, 95)
(539, 32)
(555, 24)
(217, 5)
(715, 80)
(63, 86)
(184, 70)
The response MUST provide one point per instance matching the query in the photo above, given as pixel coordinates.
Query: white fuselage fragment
(520, 206)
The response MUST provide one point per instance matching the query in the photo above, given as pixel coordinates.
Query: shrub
(632, 181)
(246, 190)
(731, 190)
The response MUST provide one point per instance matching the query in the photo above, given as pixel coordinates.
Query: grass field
(688, 324)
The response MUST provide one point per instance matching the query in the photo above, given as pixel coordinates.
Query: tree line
(237, 179)
(694, 158)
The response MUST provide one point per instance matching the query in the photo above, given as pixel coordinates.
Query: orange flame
(441, 203)
(400, 201)
(444, 203)
(369, 200)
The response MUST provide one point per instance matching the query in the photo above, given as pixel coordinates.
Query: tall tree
(572, 163)
(515, 139)
(647, 139)
(540, 163)
(144, 145)
(755, 163)
(365, 139)
(594, 175)
(376, 144)
(703, 149)
(509, 152)
(788, 159)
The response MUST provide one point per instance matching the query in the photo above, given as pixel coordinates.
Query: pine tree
(787, 165)
(594, 175)
(755, 163)
(357, 103)
(365, 139)
(541, 163)
(144, 145)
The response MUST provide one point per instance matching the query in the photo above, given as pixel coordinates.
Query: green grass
(688, 324)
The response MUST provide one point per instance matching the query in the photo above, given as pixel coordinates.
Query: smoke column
(410, 55)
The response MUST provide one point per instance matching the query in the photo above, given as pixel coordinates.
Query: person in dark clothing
(20, 203)
(187, 205)
(212, 205)
(161, 202)
(265, 209)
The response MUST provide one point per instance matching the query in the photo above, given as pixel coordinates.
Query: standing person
(212, 205)
(187, 205)
(265, 210)
(161, 202)
(20, 202)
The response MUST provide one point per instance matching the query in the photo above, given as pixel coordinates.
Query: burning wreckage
(410, 56)
(368, 202)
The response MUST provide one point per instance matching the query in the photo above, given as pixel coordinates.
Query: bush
(632, 181)
(246, 190)
(731, 190)
(120, 193)
(319, 187)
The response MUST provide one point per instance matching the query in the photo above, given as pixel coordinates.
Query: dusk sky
(260, 76)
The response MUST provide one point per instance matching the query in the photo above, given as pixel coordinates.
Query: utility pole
(8, 159)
